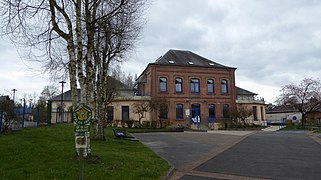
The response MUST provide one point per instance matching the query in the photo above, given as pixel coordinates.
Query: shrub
(130, 123)
(145, 124)
(135, 124)
(289, 123)
(116, 123)
(153, 124)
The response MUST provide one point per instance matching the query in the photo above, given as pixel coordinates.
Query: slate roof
(281, 109)
(67, 94)
(240, 91)
(186, 58)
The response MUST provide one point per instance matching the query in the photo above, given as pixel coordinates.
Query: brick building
(193, 87)
(192, 90)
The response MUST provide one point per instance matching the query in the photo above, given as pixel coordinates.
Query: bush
(130, 123)
(153, 124)
(116, 123)
(292, 126)
(289, 123)
(135, 124)
(145, 124)
(236, 125)
(239, 125)
(166, 123)
(220, 124)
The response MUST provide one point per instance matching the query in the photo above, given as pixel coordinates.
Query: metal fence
(25, 117)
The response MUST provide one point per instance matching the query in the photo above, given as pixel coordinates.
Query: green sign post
(82, 118)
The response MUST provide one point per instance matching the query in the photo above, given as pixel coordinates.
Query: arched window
(210, 86)
(224, 85)
(179, 111)
(195, 86)
(163, 111)
(163, 84)
(178, 85)
(226, 111)
(211, 110)
(211, 113)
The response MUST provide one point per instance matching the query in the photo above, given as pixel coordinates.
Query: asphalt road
(276, 155)
(261, 155)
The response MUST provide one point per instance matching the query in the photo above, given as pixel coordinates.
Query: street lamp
(14, 93)
(62, 100)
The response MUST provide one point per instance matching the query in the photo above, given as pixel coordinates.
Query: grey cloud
(270, 42)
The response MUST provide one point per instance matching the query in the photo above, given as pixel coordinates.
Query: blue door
(196, 113)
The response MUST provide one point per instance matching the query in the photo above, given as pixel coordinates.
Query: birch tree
(81, 37)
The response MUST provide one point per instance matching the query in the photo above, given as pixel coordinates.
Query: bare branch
(305, 97)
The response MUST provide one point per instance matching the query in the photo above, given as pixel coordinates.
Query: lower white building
(282, 114)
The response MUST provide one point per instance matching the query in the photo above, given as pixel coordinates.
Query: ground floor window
(226, 111)
(163, 111)
(125, 113)
(179, 111)
(211, 112)
(110, 113)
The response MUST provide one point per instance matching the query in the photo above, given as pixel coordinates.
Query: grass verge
(48, 153)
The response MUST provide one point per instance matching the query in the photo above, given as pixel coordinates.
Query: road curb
(315, 137)
(169, 173)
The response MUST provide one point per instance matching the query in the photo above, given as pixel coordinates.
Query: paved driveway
(263, 155)
(187, 150)
(277, 155)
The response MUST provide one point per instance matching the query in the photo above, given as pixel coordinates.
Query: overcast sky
(270, 42)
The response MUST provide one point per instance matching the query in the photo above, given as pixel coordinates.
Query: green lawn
(48, 153)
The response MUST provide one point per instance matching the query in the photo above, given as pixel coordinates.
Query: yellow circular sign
(82, 115)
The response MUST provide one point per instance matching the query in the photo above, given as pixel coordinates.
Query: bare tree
(120, 75)
(81, 37)
(305, 97)
(48, 93)
(241, 113)
(159, 106)
(141, 108)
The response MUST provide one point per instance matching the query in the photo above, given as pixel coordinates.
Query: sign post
(82, 117)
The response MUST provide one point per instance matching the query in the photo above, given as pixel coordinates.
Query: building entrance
(196, 113)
